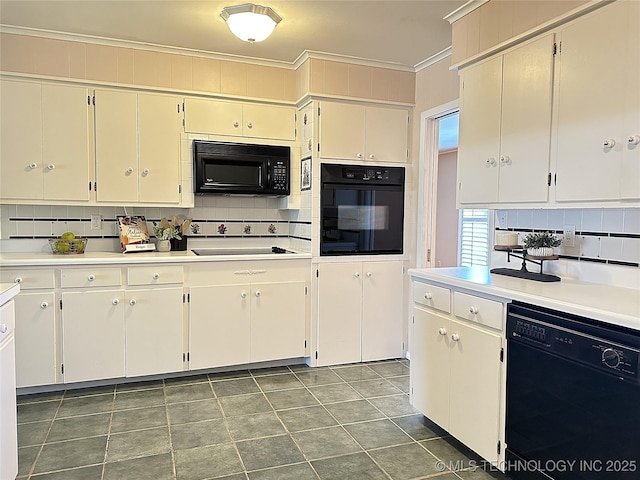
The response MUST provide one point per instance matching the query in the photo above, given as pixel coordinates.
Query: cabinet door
(269, 121)
(339, 313)
(65, 142)
(21, 145)
(430, 377)
(478, 151)
(219, 326)
(153, 331)
(212, 117)
(159, 137)
(593, 69)
(341, 131)
(35, 339)
(386, 134)
(382, 300)
(93, 335)
(475, 388)
(631, 154)
(8, 415)
(525, 133)
(277, 321)
(116, 146)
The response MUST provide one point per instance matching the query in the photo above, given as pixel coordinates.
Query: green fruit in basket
(62, 246)
(79, 246)
(67, 236)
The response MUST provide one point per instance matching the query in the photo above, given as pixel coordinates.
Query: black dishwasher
(572, 397)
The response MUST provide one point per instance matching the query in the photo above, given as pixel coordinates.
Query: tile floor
(350, 422)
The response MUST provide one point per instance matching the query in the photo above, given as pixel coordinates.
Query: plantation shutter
(474, 237)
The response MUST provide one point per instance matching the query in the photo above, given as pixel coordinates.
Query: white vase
(164, 246)
(540, 252)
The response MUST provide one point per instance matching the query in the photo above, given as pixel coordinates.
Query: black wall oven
(362, 209)
(573, 397)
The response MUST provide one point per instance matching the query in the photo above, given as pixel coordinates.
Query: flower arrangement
(166, 230)
(541, 240)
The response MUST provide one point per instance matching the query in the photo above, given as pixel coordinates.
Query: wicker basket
(68, 247)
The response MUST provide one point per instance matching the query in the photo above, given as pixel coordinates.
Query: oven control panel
(366, 174)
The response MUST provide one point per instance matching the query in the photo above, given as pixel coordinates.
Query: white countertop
(616, 305)
(110, 258)
(8, 291)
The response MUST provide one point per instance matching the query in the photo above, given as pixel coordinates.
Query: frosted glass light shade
(249, 22)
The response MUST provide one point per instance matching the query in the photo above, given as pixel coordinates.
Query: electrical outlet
(569, 236)
(96, 222)
(502, 219)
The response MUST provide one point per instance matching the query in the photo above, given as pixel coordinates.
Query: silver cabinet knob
(491, 162)
(357, 274)
(33, 166)
(91, 277)
(243, 295)
(258, 293)
(115, 301)
(372, 156)
(51, 166)
(18, 280)
(428, 296)
(4, 328)
(236, 124)
(250, 125)
(505, 160)
(145, 172)
(633, 140)
(455, 337)
(156, 276)
(609, 143)
(442, 331)
(129, 171)
(369, 274)
(132, 301)
(473, 310)
(44, 305)
(359, 155)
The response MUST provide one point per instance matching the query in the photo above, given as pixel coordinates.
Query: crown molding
(441, 55)
(332, 57)
(468, 7)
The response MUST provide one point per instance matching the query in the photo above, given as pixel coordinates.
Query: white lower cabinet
(8, 412)
(456, 369)
(359, 311)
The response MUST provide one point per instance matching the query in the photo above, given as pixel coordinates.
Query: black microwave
(240, 168)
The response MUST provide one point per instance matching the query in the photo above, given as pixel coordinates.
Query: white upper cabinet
(357, 132)
(220, 117)
(45, 142)
(137, 148)
(505, 126)
(598, 127)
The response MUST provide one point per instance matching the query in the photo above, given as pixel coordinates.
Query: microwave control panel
(280, 176)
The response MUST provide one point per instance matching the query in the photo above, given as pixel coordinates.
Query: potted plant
(540, 244)
(165, 231)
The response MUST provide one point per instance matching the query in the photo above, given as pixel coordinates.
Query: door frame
(428, 190)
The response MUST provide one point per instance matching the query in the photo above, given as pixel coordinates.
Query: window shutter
(474, 237)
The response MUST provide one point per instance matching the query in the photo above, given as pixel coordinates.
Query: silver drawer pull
(455, 337)
(156, 276)
(91, 277)
(44, 305)
(473, 310)
(428, 296)
(18, 279)
(258, 293)
(4, 328)
(132, 301)
(442, 331)
(243, 295)
(115, 301)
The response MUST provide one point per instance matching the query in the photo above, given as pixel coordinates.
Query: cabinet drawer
(478, 310)
(157, 275)
(7, 320)
(432, 296)
(29, 278)
(90, 277)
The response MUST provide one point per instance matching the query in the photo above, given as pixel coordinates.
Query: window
(474, 237)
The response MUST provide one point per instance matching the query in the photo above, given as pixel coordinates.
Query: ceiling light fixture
(249, 22)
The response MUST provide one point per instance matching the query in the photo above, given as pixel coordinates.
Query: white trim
(427, 193)
(460, 12)
(441, 55)
(334, 57)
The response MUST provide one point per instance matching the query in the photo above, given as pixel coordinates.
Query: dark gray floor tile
(237, 386)
(139, 398)
(353, 373)
(186, 380)
(189, 392)
(418, 427)
(450, 451)
(37, 412)
(82, 473)
(200, 434)
(281, 381)
(71, 407)
(26, 457)
(193, 411)
(306, 418)
(401, 382)
(143, 385)
(325, 442)
(394, 406)
(298, 397)
(79, 427)
(340, 392)
(374, 388)
(300, 471)
(70, 454)
(83, 392)
(319, 376)
(138, 419)
(389, 369)
(153, 467)
(378, 433)
(406, 461)
(123, 446)
(39, 397)
(255, 426)
(34, 433)
(207, 462)
(356, 466)
(354, 411)
(245, 404)
(269, 452)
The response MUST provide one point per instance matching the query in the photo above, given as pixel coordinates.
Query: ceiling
(401, 32)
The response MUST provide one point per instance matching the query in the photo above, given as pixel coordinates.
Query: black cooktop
(240, 251)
